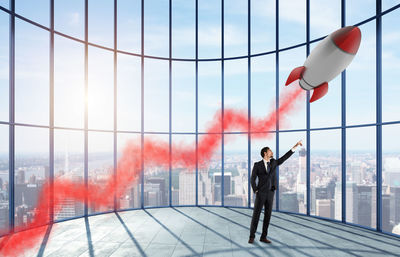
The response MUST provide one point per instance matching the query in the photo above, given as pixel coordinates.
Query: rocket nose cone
(348, 39)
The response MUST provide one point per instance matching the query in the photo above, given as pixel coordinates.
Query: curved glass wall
(79, 79)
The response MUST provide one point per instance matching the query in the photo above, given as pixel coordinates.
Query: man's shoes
(265, 240)
(251, 240)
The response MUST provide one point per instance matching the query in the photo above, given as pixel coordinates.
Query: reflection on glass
(69, 17)
(183, 181)
(326, 174)
(156, 177)
(209, 191)
(31, 74)
(129, 93)
(131, 198)
(361, 176)
(293, 173)
(101, 89)
(4, 178)
(31, 171)
(183, 97)
(4, 65)
(68, 165)
(390, 179)
(69, 88)
(101, 166)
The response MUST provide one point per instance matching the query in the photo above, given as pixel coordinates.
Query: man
(265, 170)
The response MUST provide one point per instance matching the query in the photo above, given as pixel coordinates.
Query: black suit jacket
(266, 181)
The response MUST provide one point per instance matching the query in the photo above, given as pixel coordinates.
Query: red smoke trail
(129, 166)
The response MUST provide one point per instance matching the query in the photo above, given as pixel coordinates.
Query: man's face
(269, 154)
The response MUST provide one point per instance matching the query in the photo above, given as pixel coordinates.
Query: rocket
(327, 60)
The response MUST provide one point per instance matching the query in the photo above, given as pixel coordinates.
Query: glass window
(37, 11)
(263, 87)
(4, 66)
(68, 165)
(31, 171)
(235, 28)
(262, 26)
(31, 74)
(386, 4)
(101, 167)
(361, 176)
(357, 11)
(326, 174)
(361, 80)
(293, 173)
(292, 23)
(129, 145)
(101, 89)
(390, 67)
(390, 179)
(258, 142)
(236, 88)
(235, 170)
(210, 167)
(156, 28)
(129, 25)
(183, 177)
(183, 29)
(5, 3)
(183, 97)
(327, 111)
(69, 87)
(156, 95)
(129, 103)
(69, 17)
(209, 29)
(101, 22)
(4, 178)
(209, 95)
(288, 60)
(324, 17)
(156, 175)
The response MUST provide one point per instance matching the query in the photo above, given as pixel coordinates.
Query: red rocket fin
(319, 92)
(295, 74)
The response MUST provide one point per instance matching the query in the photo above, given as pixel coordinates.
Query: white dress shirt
(266, 162)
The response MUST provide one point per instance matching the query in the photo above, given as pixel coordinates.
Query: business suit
(267, 184)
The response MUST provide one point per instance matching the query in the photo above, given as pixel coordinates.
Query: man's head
(266, 153)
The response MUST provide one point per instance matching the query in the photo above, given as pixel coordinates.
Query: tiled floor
(208, 231)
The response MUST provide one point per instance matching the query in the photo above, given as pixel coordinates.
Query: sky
(32, 68)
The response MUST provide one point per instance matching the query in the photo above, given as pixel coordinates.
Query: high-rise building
(288, 201)
(187, 187)
(364, 206)
(20, 178)
(325, 208)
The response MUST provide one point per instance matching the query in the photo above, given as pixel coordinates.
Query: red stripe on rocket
(328, 59)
